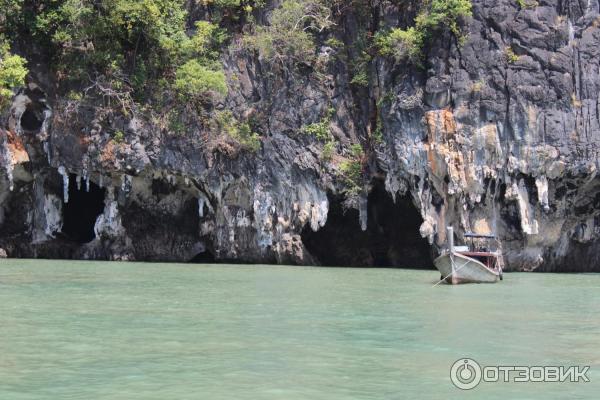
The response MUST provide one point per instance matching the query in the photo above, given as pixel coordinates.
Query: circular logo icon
(465, 374)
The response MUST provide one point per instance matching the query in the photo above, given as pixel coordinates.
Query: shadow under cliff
(391, 239)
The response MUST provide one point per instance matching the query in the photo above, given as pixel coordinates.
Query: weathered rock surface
(476, 141)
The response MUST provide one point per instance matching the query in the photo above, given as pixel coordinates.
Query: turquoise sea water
(99, 330)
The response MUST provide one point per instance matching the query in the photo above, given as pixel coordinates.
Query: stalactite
(86, 178)
(9, 173)
(126, 183)
(65, 175)
(201, 207)
(47, 151)
(362, 212)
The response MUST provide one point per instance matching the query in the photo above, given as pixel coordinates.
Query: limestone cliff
(498, 132)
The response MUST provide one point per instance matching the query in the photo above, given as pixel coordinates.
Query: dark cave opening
(165, 235)
(30, 120)
(82, 210)
(392, 237)
(206, 257)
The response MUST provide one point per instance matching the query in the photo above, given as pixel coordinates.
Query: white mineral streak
(8, 166)
(319, 212)
(65, 175)
(47, 151)
(571, 31)
(52, 214)
(86, 178)
(108, 224)
(170, 179)
(43, 135)
(529, 225)
(126, 183)
(201, 207)
(9, 174)
(541, 184)
(78, 181)
(363, 212)
(101, 181)
(45, 216)
(263, 217)
(242, 220)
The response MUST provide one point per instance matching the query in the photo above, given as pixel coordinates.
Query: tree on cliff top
(12, 73)
(289, 36)
(435, 15)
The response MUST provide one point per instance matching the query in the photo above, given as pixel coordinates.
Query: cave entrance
(206, 257)
(31, 120)
(82, 210)
(392, 237)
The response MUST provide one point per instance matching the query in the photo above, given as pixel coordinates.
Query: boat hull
(466, 270)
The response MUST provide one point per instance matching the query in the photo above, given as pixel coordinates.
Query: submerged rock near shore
(497, 131)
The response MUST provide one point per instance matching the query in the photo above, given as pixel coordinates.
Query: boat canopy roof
(478, 236)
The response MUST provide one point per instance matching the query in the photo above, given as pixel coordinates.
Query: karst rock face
(496, 133)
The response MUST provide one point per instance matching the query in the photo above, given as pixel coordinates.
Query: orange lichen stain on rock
(441, 126)
(107, 157)
(16, 148)
(449, 123)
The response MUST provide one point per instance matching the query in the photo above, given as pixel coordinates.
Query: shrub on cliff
(352, 171)
(400, 43)
(194, 80)
(140, 46)
(321, 130)
(241, 132)
(434, 16)
(289, 37)
(12, 74)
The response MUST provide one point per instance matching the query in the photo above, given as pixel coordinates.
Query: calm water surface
(99, 330)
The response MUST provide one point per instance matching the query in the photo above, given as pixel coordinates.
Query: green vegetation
(119, 136)
(435, 15)
(193, 80)
(361, 78)
(400, 44)
(134, 49)
(12, 73)
(328, 150)
(524, 4)
(174, 122)
(151, 56)
(378, 134)
(351, 171)
(334, 43)
(478, 86)
(511, 57)
(289, 37)
(320, 130)
(240, 132)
